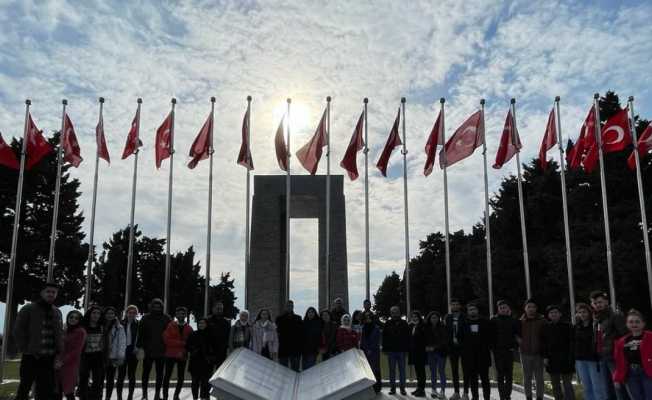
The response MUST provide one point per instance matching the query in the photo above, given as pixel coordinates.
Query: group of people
(610, 352)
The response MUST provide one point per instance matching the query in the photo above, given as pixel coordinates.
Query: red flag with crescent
(7, 155)
(310, 154)
(71, 151)
(349, 162)
(468, 137)
(244, 157)
(393, 141)
(435, 139)
(615, 137)
(37, 146)
(510, 143)
(644, 147)
(549, 140)
(281, 148)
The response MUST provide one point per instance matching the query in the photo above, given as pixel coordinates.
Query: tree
(389, 294)
(223, 292)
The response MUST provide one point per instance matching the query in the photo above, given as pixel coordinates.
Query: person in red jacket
(175, 336)
(73, 344)
(633, 358)
(346, 338)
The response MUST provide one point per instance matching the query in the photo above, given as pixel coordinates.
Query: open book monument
(245, 375)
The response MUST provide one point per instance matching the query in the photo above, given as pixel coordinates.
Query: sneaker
(419, 393)
(392, 391)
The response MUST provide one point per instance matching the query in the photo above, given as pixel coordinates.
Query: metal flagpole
(366, 205)
(607, 234)
(641, 197)
(562, 174)
(521, 207)
(168, 267)
(447, 243)
(132, 233)
(57, 195)
(487, 218)
(248, 204)
(91, 237)
(207, 280)
(9, 303)
(328, 201)
(405, 199)
(288, 191)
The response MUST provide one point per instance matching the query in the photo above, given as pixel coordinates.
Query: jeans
(396, 358)
(455, 359)
(562, 386)
(620, 394)
(476, 368)
(638, 384)
(128, 368)
(420, 372)
(170, 363)
(437, 364)
(159, 365)
(292, 362)
(308, 361)
(592, 379)
(504, 359)
(92, 366)
(532, 368)
(39, 370)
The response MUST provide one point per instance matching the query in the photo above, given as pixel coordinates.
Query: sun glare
(299, 115)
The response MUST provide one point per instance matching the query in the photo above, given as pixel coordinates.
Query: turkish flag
(393, 140)
(349, 162)
(281, 148)
(435, 139)
(644, 146)
(510, 143)
(584, 142)
(615, 137)
(7, 155)
(244, 157)
(310, 154)
(468, 137)
(37, 146)
(163, 145)
(202, 146)
(102, 150)
(549, 140)
(133, 138)
(71, 151)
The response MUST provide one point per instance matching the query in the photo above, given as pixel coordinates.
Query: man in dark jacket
(290, 334)
(338, 311)
(39, 336)
(504, 334)
(477, 357)
(219, 328)
(150, 339)
(455, 324)
(530, 343)
(396, 344)
(557, 349)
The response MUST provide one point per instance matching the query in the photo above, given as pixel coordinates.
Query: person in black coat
(455, 324)
(311, 338)
(504, 333)
(290, 334)
(150, 339)
(202, 358)
(417, 356)
(396, 343)
(557, 349)
(477, 358)
(219, 328)
(327, 344)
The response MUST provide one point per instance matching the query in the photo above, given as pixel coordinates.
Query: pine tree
(389, 294)
(224, 292)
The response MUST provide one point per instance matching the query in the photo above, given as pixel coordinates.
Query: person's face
(131, 314)
(73, 319)
(635, 324)
(346, 321)
(49, 294)
(530, 309)
(338, 303)
(554, 315)
(583, 314)
(456, 307)
(503, 309)
(264, 315)
(289, 307)
(395, 313)
(326, 317)
(181, 315)
(599, 304)
(201, 325)
(109, 315)
(95, 315)
(472, 311)
(434, 319)
(156, 307)
(218, 309)
(366, 305)
(244, 317)
(415, 318)
(311, 314)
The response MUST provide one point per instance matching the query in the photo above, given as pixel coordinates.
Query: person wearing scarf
(240, 334)
(346, 338)
(264, 338)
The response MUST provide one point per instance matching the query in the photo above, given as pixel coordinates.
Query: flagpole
(91, 249)
(247, 207)
(328, 201)
(605, 211)
(405, 199)
(366, 205)
(207, 280)
(57, 195)
(447, 239)
(14, 246)
(288, 192)
(641, 197)
(521, 207)
(168, 267)
(130, 254)
(487, 217)
(562, 174)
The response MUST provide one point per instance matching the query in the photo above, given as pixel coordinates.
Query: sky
(272, 50)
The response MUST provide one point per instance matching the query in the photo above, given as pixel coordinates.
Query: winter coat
(622, 366)
(311, 337)
(584, 343)
(150, 334)
(29, 321)
(199, 347)
(328, 343)
(175, 337)
(116, 342)
(219, 328)
(370, 342)
(347, 339)
(133, 331)
(239, 335)
(608, 326)
(396, 336)
(417, 355)
(436, 338)
(261, 332)
(557, 347)
(290, 335)
(530, 332)
(337, 314)
(455, 335)
(73, 344)
(477, 338)
(504, 330)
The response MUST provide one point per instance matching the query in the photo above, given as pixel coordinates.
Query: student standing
(264, 338)
(557, 349)
(150, 340)
(128, 368)
(396, 344)
(633, 357)
(290, 330)
(93, 356)
(311, 338)
(504, 335)
(200, 348)
(587, 360)
(346, 337)
(240, 334)
(417, 355)
(220, 328)
(116, 346)
(327, 345)
(175, 336)
(370, 344)
(73, 344)
(455, 324)
(477, 357)
(338, 310)
(436, 347)
(357, 322)
(530, 342)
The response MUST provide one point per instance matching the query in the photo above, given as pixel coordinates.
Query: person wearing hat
(504, 334)
(531, 326)
(150, 340)
(39, 337)
(557, 350)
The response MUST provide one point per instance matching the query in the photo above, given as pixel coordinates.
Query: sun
(299, 115)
